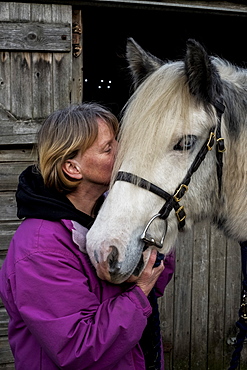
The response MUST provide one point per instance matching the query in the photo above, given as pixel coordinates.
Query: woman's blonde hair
(63, 134)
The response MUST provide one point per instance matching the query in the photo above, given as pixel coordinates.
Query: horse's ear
(141, 63)
(203, 77)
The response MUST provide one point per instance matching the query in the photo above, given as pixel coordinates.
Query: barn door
(40, 71)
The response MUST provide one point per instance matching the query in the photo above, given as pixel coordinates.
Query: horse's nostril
(96, 256)
(112, 259)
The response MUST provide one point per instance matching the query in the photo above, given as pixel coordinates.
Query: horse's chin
(123, 275)
(102, 270)
(105, 275)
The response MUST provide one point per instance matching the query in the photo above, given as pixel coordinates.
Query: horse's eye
(187, 142)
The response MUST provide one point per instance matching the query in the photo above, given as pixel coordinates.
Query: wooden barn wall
(200, 305)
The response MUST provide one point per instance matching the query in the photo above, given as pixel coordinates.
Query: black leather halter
(172, 200)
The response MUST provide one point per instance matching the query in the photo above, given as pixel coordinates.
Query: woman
(61, 314)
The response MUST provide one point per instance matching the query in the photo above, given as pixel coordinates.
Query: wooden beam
(35, 36)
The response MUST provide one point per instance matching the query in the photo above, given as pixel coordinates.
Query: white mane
(231, 73)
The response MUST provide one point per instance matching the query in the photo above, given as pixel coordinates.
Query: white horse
(168, 127)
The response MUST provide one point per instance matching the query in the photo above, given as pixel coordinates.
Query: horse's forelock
(155, 111)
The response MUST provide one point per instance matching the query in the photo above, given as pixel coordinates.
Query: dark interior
(161, 31)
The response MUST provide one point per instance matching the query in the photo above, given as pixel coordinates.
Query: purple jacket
(61, 314)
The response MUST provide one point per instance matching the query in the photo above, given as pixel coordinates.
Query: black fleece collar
(34, 200)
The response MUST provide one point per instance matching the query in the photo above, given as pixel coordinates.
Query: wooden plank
(183, 295)
(216, 314)
(62, 63)
(13, 155)
(20, 72)
(8, 206)
(42, 84)
(4, 321)
(4, 85)
(10, 366)
(19, 132)
(233, 294)
(42, 68)
(7, 230)
(199, 309)
(6, 356)
(21, 85)
(4, 11)
(5, 97)
(166, 322)
(41, 12)
(32, 36)
(2, 257)
(9, 174)
(62, 90)
(19, 12)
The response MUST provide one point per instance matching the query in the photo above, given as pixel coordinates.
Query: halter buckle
(182, 188)
(148, 239)
(221, 145)
(183, 215)
(210, 142)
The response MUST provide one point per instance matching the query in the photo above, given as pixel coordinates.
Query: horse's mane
(234, 81)
(230, 72)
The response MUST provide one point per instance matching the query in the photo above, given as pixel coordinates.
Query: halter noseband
(172, 200)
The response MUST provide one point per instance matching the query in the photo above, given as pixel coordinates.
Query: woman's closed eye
(108, 149)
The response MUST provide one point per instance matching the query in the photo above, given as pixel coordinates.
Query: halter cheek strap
(220, 108)
(171, 200)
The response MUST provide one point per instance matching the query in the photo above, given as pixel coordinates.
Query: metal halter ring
(148, 239)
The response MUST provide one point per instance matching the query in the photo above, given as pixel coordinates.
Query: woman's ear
(72, 169)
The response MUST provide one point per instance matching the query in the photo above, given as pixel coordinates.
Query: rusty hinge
(76, 39)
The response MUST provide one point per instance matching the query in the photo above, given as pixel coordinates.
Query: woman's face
(97, 161)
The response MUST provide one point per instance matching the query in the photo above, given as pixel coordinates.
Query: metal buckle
(223, 146)
(210, 142)
(177, 214)
(148, 239)
(175, 197)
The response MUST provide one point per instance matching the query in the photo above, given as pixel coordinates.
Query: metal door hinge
(76, 39)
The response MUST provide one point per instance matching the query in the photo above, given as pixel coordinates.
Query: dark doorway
(161, 31)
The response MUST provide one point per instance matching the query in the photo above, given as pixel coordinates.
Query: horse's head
(165, 124)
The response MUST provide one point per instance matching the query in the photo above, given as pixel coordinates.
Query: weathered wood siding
(200, 306)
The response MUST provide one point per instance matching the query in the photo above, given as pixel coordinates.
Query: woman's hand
(150, 274)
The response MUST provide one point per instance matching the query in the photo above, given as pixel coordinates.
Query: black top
(34, 200)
